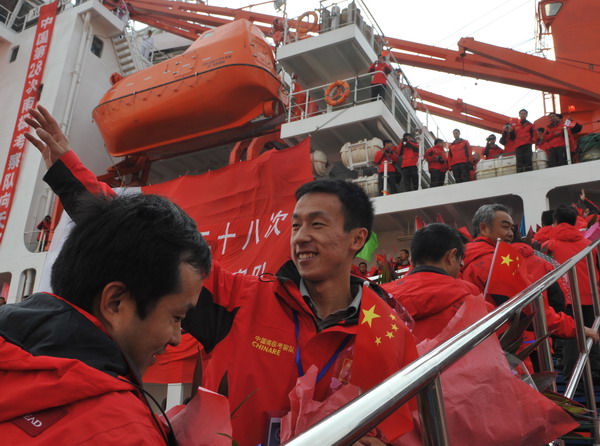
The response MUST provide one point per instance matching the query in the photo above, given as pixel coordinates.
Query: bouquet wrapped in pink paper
(204, 421)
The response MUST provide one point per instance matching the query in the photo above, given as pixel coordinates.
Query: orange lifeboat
(221, 89)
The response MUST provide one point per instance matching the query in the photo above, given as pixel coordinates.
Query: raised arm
(66, 175)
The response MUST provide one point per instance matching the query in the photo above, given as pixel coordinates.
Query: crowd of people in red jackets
(560, 237)
(519, 138)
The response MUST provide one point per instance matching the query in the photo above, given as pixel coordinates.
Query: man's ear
(115, 298)
(359, 239)
(450, 256)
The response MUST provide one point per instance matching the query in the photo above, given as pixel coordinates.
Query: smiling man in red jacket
(263, 333)
(490, 222)
(70, 363)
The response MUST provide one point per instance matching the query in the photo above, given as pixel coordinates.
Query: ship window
(97, 46)
(552, 9)
(13, 54)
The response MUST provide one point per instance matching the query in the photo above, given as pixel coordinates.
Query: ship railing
(38, 240)
(18, 23)
(421, 378)
(336, 15)
(311, 102)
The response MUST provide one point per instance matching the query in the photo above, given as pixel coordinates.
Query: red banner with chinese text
(29, 98)
(244, 212)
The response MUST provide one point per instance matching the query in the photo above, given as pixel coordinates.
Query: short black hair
(548, 217)
(565, 214)
(437, 141)
(362, 263)
(523, 110)
(405, 250)
(429, 244)
(356, 205)
(140, 240)
(385, 141)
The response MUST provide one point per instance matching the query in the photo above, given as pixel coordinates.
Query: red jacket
(522, 133)
(562, 324)
(380, 68)
(554, 136)
(477, 261)
(566, 241)
(543, 234)
(409, 151)
(431, 297)
(47, 391)
(247, 326)
(492, 151)
(392, 157)
(433, 155)
(459, 152)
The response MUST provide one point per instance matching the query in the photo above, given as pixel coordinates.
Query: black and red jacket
(381, 157)
(436, 158)
(381, 69)
(409, 151)
(459, 151)
(522, 134)
(65, 381)
(247, 326)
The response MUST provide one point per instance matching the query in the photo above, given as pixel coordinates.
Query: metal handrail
(422, 376)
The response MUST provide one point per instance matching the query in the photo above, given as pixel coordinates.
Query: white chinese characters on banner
(29, 98)
(226, 240)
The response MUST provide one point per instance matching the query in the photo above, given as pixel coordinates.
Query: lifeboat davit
(223, 88)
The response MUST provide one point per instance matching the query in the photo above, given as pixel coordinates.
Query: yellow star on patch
(394, 327)
(389, 334)
(369, 315)
(377, 341)
(393, 317)
(506, 260)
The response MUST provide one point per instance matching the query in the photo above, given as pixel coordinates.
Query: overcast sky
(506, 23)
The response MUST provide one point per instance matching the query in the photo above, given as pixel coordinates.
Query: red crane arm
(477, 66)
(459, 111)
(577, 80)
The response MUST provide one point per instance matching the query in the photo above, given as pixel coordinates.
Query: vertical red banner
(31, 91)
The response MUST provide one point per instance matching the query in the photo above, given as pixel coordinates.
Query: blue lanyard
(329, 363)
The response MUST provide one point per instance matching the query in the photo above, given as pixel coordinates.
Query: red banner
(29, 98)
(244, 211)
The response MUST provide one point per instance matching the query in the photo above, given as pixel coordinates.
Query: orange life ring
(337, 93)
(303, 27)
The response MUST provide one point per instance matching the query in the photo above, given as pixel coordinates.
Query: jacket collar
(45, 325)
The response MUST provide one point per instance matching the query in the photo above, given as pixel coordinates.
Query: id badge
(274, 428)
